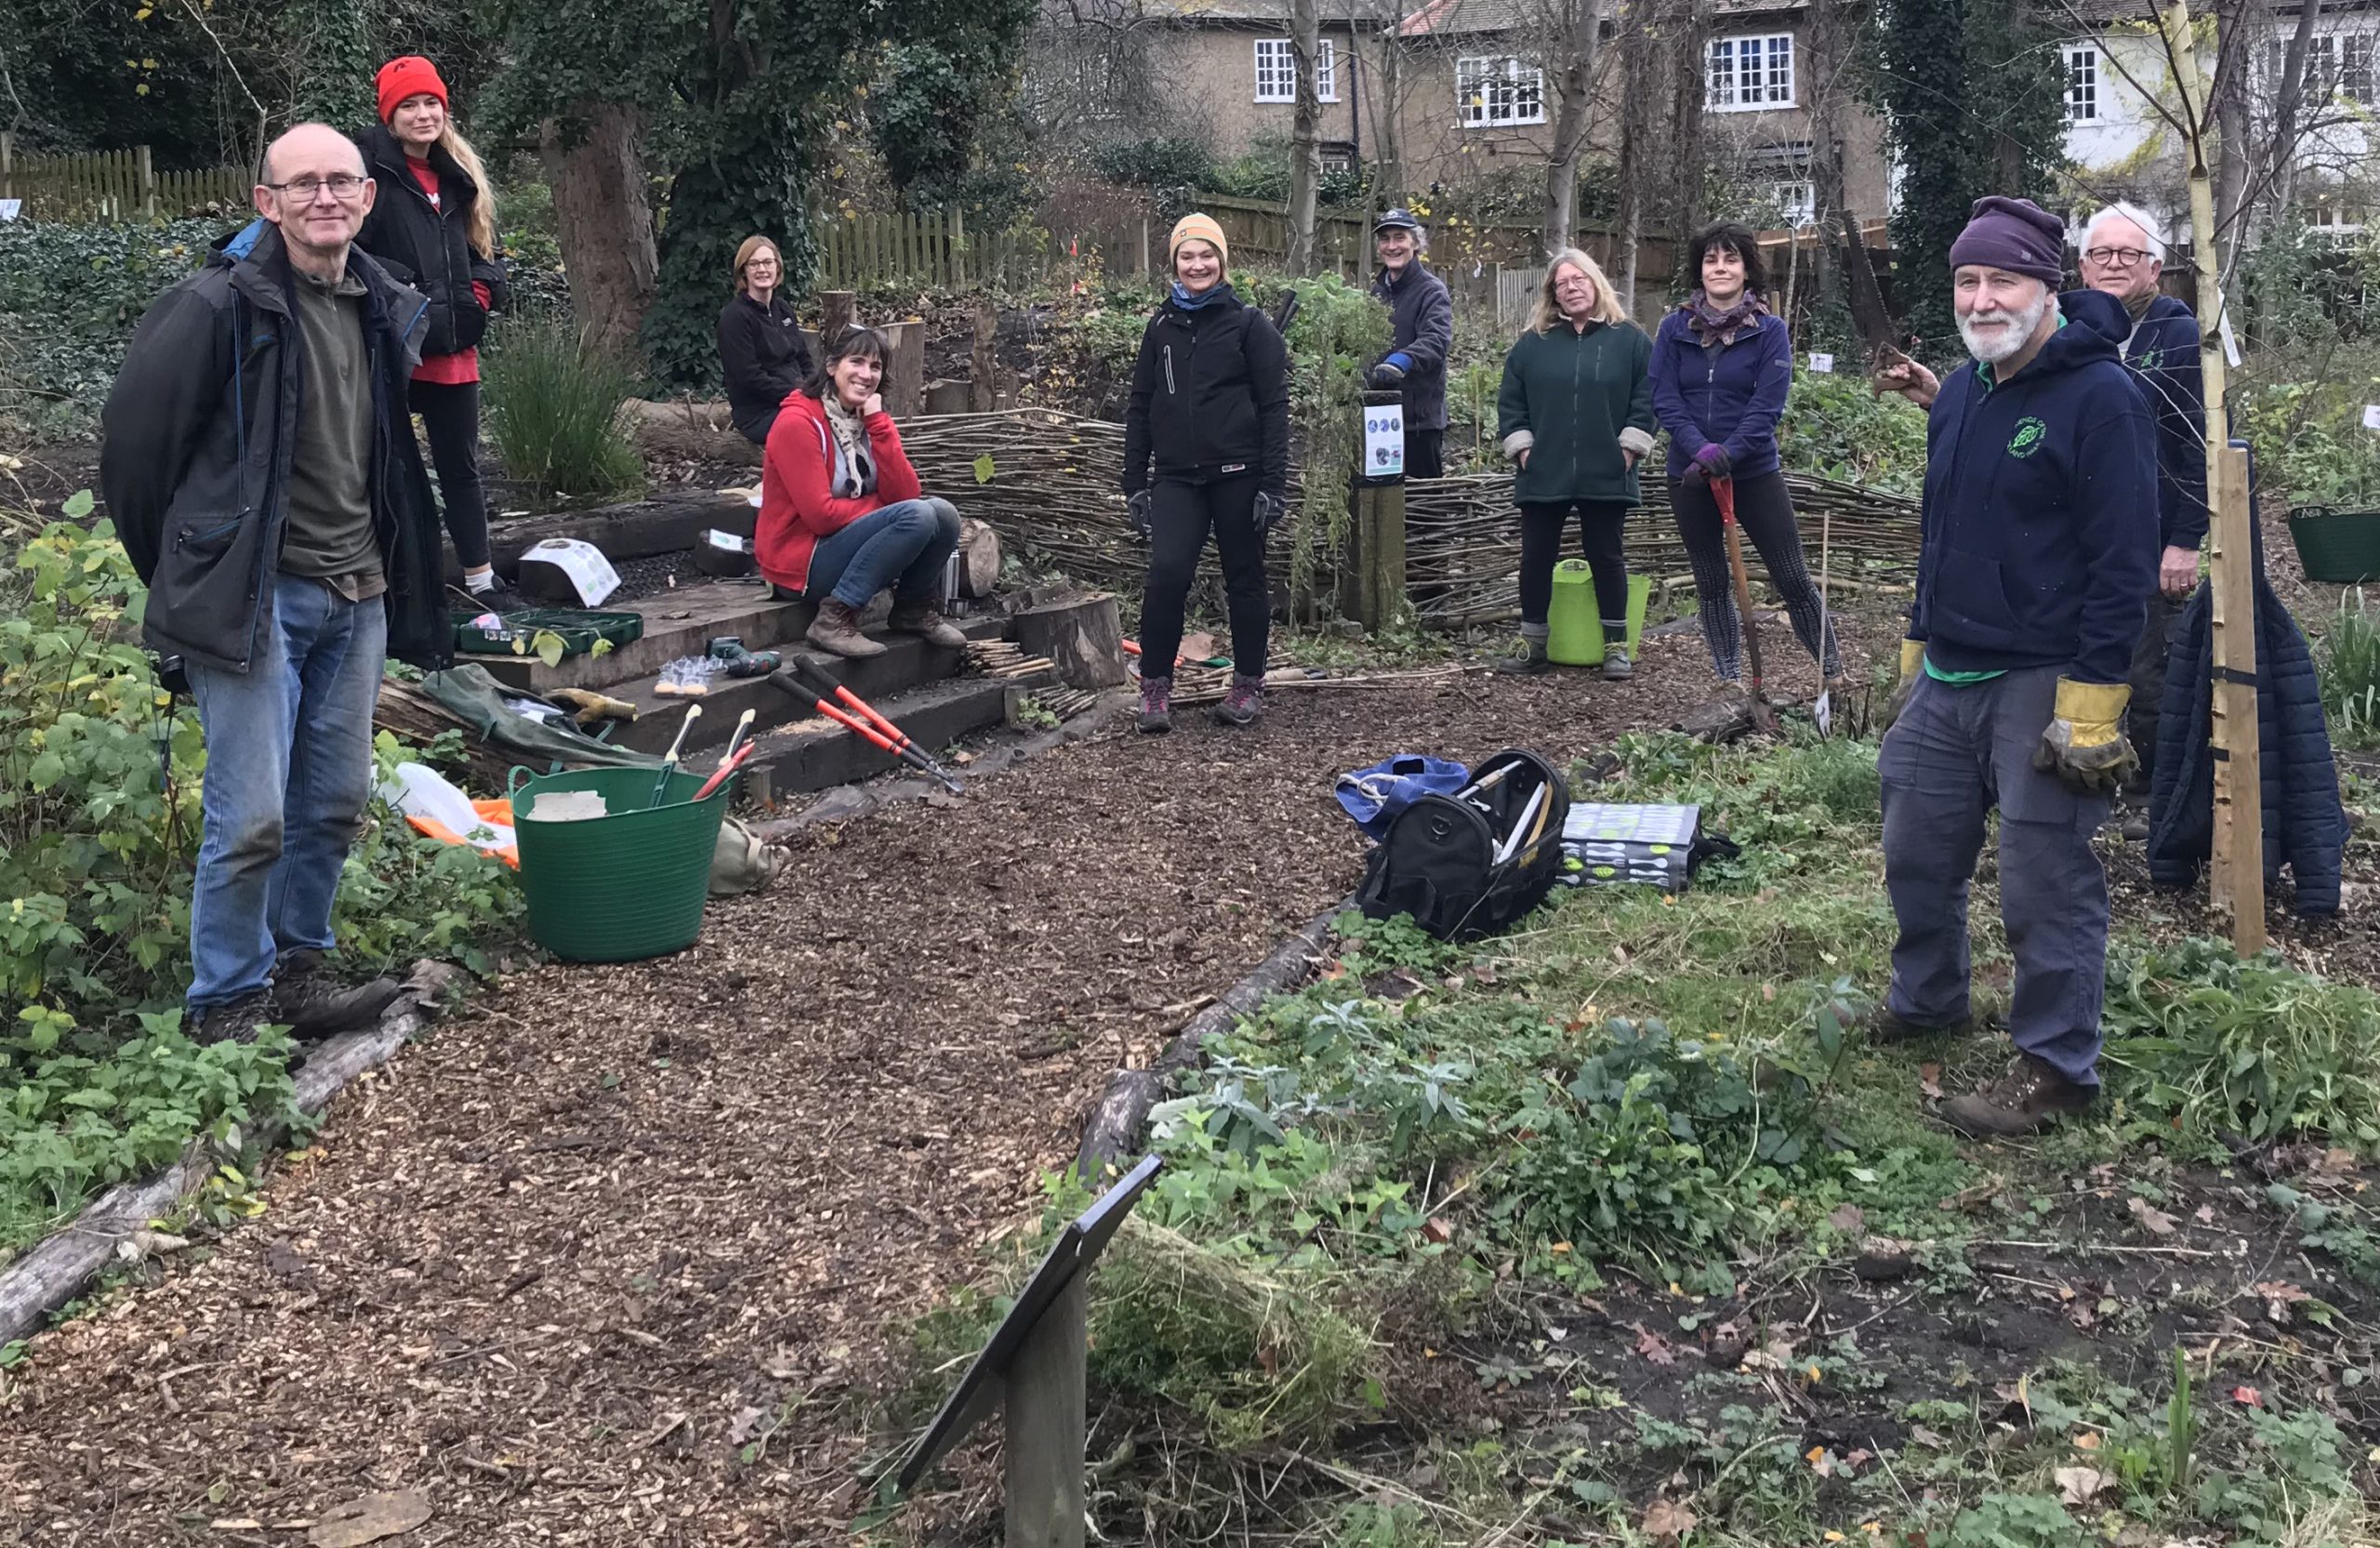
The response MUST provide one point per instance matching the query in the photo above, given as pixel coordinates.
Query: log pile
(1005, 658)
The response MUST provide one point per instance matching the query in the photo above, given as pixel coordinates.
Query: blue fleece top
(1731, 393)
(2163, 350)
(2040, 510)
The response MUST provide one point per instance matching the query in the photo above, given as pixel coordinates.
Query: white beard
(2022, 323)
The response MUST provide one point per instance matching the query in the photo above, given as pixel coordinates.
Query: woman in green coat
(1576, 415)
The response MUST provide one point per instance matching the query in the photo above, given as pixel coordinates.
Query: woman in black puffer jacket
(432, 224)
(1206, 449)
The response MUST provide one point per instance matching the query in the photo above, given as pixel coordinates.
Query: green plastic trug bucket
(618, 888)
(1574, 625)
(2338, 547)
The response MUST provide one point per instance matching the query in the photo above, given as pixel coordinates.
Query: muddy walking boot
(1885, 1027)
(1617, 668)
(311, 999)
(236, 1021)
(1532, 660)
(926, 619)
(1241, 705)
(837, 630)
(1156, 705)
(2026, 1100)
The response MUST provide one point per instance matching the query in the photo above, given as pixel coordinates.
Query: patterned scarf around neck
(855, 470)
(1723, 325)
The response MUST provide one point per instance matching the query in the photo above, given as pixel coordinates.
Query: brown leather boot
(311, 999)
(926, 619)
(837, 630)
(2026, 1100)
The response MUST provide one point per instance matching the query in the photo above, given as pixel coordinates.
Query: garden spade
(1724, 492)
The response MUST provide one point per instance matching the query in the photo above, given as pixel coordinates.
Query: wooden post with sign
(2236, 877)
(1373, 589)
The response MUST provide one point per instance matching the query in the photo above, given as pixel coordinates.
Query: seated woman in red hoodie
(842, 513)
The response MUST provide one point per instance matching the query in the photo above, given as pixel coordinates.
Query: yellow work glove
(2084, 745)
(1912, 667)
(589, 707)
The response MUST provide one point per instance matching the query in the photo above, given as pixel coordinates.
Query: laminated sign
(590, 575)
(1384, 442)
(1608, 844)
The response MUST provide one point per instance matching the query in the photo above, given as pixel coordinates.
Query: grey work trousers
(1956, 752)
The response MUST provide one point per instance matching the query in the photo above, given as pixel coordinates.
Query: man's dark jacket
(1422, 314)
(2163, 349)
(430, 248)
(199, 429)
(2040, 514)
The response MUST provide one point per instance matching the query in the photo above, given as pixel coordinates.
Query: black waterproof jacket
(1211, 398)
(761, 356)
(430, 248)
(199, 430)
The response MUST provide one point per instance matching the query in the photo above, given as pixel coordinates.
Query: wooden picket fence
(903, 247)
(113, 185)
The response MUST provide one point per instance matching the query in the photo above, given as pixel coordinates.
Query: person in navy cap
(1415, 365)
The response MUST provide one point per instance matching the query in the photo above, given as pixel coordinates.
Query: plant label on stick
(1822, 364)
(2371, 416)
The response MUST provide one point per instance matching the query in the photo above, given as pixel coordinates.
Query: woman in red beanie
(434, 225)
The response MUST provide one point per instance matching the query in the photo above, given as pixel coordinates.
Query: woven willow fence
(1048, 483)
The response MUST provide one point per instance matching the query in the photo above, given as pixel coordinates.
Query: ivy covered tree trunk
(1305, 134)
(337, 57)
(604, 223)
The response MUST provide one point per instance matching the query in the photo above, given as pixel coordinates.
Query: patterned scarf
(1723, 327)
(855, 470)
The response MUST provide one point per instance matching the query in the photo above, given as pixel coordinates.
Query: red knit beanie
(409, 76)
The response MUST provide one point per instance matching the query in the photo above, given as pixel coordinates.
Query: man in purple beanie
(2039, 550)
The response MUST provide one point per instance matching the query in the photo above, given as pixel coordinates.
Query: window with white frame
(1277, 71)
(1496, 93)
(2082, 83)
(2337, 64)
(1796, 199)
(1746, 73)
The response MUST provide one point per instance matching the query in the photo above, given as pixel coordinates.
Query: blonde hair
(748, 249)
(1549, 312)
(482, 232)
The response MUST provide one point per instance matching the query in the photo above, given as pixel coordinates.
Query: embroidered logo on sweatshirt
(2030, 434)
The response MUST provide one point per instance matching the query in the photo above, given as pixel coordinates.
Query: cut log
(687, 430)
(905, 369)
(979, 560)
(982, 364)
(1082, 634)
(838, 309)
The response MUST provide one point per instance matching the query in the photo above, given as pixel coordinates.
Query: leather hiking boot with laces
(1532, 660)
(1883, 1026)
(837, 630)
(1245, 699)
(924, 619)
(1156, 705)
(236, 1021)
(311, 999)
(2026, 1100)
(1616, 664)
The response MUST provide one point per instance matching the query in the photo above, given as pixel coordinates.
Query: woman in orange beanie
(433, 224)
(1206, 450)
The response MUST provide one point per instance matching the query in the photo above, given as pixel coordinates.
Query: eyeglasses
(345, 187)
(2115, 258)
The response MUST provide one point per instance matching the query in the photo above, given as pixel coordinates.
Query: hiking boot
(926, 619)
(236, 1021)
(2026, 1100)
(1241, 704)
(837, 630)
(310, 998)
(1156, 705)
(1885, 1027)
(500, 597)
(1531, 662)
(1616, 666)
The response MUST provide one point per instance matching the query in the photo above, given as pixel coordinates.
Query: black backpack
(1438, 861)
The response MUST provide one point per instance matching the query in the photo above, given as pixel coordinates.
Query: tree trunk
(1388, 110)
(606, 225)
(1635, 154)
(1693, 158)
(1827, 59)
(1305, 135)
(1573, 76)
(2288, 103)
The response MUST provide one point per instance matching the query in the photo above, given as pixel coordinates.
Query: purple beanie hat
(2015, 235)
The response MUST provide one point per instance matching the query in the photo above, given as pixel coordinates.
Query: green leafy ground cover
(1613, 1228)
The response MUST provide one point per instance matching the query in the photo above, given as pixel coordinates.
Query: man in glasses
(261, 470)
(2123, 255)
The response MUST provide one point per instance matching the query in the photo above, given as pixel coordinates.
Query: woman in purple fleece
(1721, 365)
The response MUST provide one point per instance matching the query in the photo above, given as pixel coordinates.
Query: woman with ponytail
(433, 224)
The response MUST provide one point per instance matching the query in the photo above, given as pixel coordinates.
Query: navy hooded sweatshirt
(2163, 349)
(2039, 513)
(1731, 393)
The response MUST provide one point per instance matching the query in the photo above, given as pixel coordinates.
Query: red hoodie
(797, 475)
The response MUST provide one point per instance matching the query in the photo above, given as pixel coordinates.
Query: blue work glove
(1391, 371)
(1138, 508)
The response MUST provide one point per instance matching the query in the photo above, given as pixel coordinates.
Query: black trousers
(1764, 509)
(1599, 525)
(1184, 515)
(451, 415)
(1426, 452)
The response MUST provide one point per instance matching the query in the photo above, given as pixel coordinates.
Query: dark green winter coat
(1575, 400)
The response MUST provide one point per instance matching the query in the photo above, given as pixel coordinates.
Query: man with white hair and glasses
(2123, 255)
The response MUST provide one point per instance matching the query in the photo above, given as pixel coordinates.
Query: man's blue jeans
(288, 773)
(903, 546)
